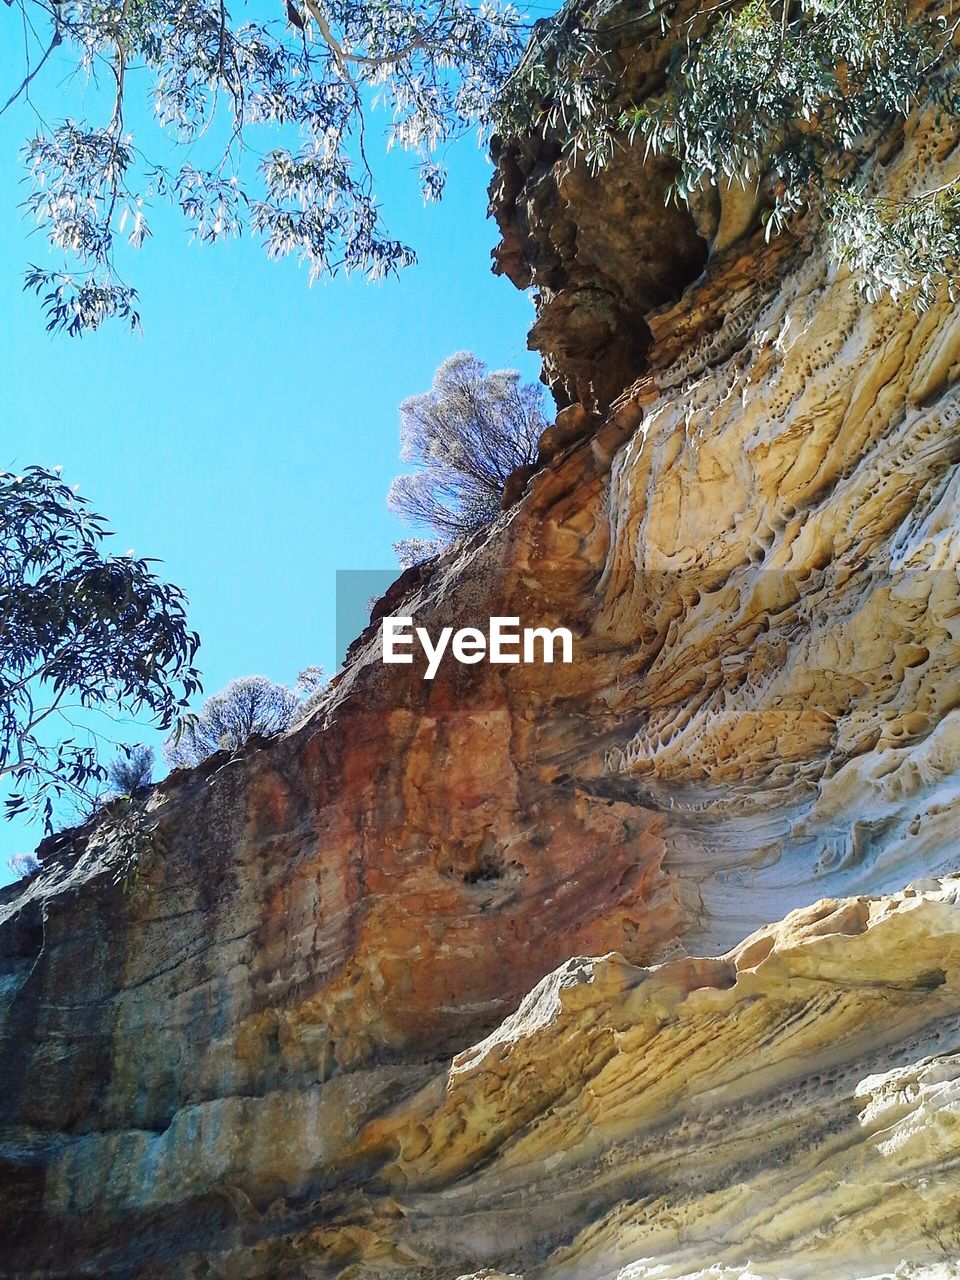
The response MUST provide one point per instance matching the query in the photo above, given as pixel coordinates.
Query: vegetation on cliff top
(466, 435)
(246, 706)
(780, 98)
(776, 95)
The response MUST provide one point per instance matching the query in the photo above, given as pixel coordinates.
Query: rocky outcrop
(602, 249)
(793, 1101)
(302, 1041)
(790, 1108)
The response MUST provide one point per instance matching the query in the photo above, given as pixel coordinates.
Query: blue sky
(248, 438)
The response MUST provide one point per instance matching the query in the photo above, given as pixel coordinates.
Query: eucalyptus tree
(84, 635)
(265, 112)
(781, 98)
(130, 771)
(245, 706)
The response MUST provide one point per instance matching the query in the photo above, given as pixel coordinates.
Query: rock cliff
(478, 975)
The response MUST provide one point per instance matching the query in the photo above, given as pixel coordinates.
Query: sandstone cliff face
(310, 1040)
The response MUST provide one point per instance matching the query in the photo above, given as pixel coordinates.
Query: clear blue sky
(248, 438)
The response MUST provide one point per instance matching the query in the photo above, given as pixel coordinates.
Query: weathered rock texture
(602, 250)
(267, 1058)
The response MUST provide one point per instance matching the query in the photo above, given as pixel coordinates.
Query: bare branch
(24, 85)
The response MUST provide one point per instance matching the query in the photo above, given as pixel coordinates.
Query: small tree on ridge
(131, 770)
(248, 705)
(467, 433)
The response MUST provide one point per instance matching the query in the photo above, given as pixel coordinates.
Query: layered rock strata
(303, 1041)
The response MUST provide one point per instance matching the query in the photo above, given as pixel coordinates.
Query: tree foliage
(23, 864)
(565, 87)
(898, 248)
(247, 705)
(778, 96)
(788, 92)
(80, 631)
(467, 434)
(784, 94)
(130, 770)
(311, 686)
(265, 117)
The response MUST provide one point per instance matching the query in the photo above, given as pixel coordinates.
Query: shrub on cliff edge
(245, 706)
(467, 434)
(131, 770)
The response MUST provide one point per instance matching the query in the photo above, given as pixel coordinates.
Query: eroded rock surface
(303, 1042)
(794, 1101)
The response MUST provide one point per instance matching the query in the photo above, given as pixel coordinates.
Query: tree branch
(24, 84)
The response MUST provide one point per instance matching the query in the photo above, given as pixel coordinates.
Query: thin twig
(25, 82)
